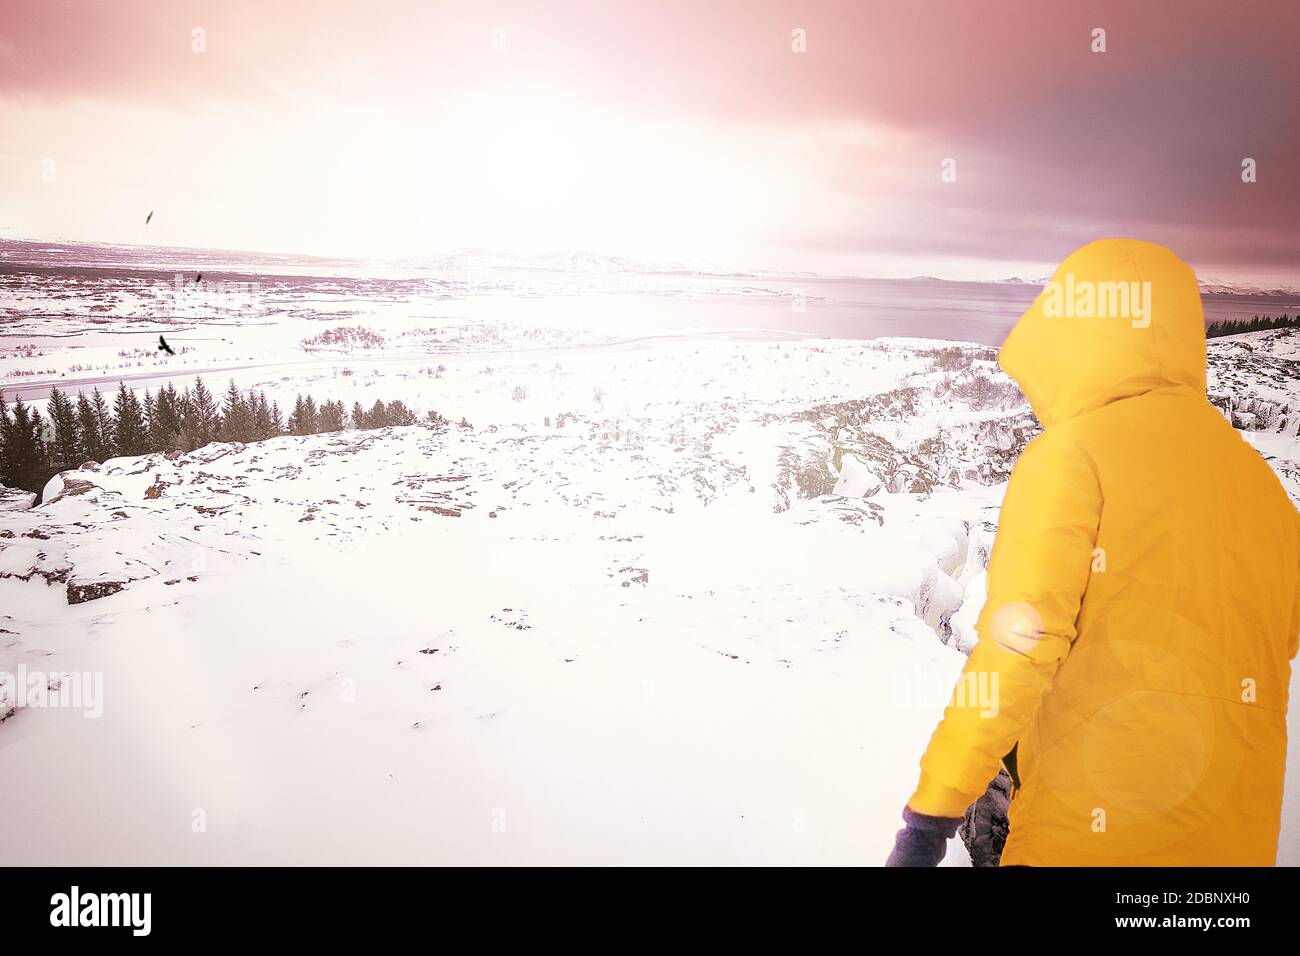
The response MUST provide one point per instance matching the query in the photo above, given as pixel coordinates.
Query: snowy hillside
(696, 601)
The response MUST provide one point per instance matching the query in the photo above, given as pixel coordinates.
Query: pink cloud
(1054, 144)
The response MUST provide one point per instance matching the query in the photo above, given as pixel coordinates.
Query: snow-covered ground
(690, 599)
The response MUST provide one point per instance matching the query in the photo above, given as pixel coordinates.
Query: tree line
(35, 447)
(1255, 324)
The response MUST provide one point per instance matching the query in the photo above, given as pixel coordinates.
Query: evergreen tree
(104, 424)
(260, 414)
(87, 433)
(93, 444)
(303, 419)
(89, 430)
(150, 417)
(236, 417)
(41, 465)
(200, 420)
(129, 434)
(4, 440)
(1253, 324)
(330, 418)
(166, 423)
(398, 414)
(65, 452)
(295, 417)
(269, 417)
(23, 463)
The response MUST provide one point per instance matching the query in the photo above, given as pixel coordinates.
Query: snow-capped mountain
(1214, 286)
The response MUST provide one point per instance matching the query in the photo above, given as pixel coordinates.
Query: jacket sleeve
(1295, 616)
(1038, 571)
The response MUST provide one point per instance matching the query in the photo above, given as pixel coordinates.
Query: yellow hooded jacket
(1143, 594)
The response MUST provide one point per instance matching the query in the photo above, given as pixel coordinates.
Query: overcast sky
(661, 130)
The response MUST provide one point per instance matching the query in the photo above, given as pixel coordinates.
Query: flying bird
(148, 217)
(162, 344)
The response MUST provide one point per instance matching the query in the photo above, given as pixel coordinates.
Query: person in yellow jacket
(1143, 598)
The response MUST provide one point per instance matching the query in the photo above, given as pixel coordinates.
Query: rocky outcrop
(15, 499)
(875, 459)
(81, 591)
(981, 452)
(849, 456)
(210, 453)
(65, 484)
(847, 461)
(1258, 414)
(802, 467)
(1254, 380)
(155, 490)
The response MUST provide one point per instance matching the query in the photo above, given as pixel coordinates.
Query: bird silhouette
(148, 217)
(199, 277)
(162, 344)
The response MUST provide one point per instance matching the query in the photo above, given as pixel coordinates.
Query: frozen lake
(82, 315)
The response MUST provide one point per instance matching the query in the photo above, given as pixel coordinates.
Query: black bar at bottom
(300, 905)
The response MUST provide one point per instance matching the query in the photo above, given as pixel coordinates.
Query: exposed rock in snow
(857, 479)
(15, 499)
(156, 489)
(66, 483)
(79, 592)
(1254, 379)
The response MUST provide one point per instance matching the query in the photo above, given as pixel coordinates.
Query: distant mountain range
(1212, 286)
(470, 259)
(1208, 285)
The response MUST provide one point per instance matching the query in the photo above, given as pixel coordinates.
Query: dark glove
(924, 841)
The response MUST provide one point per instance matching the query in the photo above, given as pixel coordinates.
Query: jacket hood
(1119, 318)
